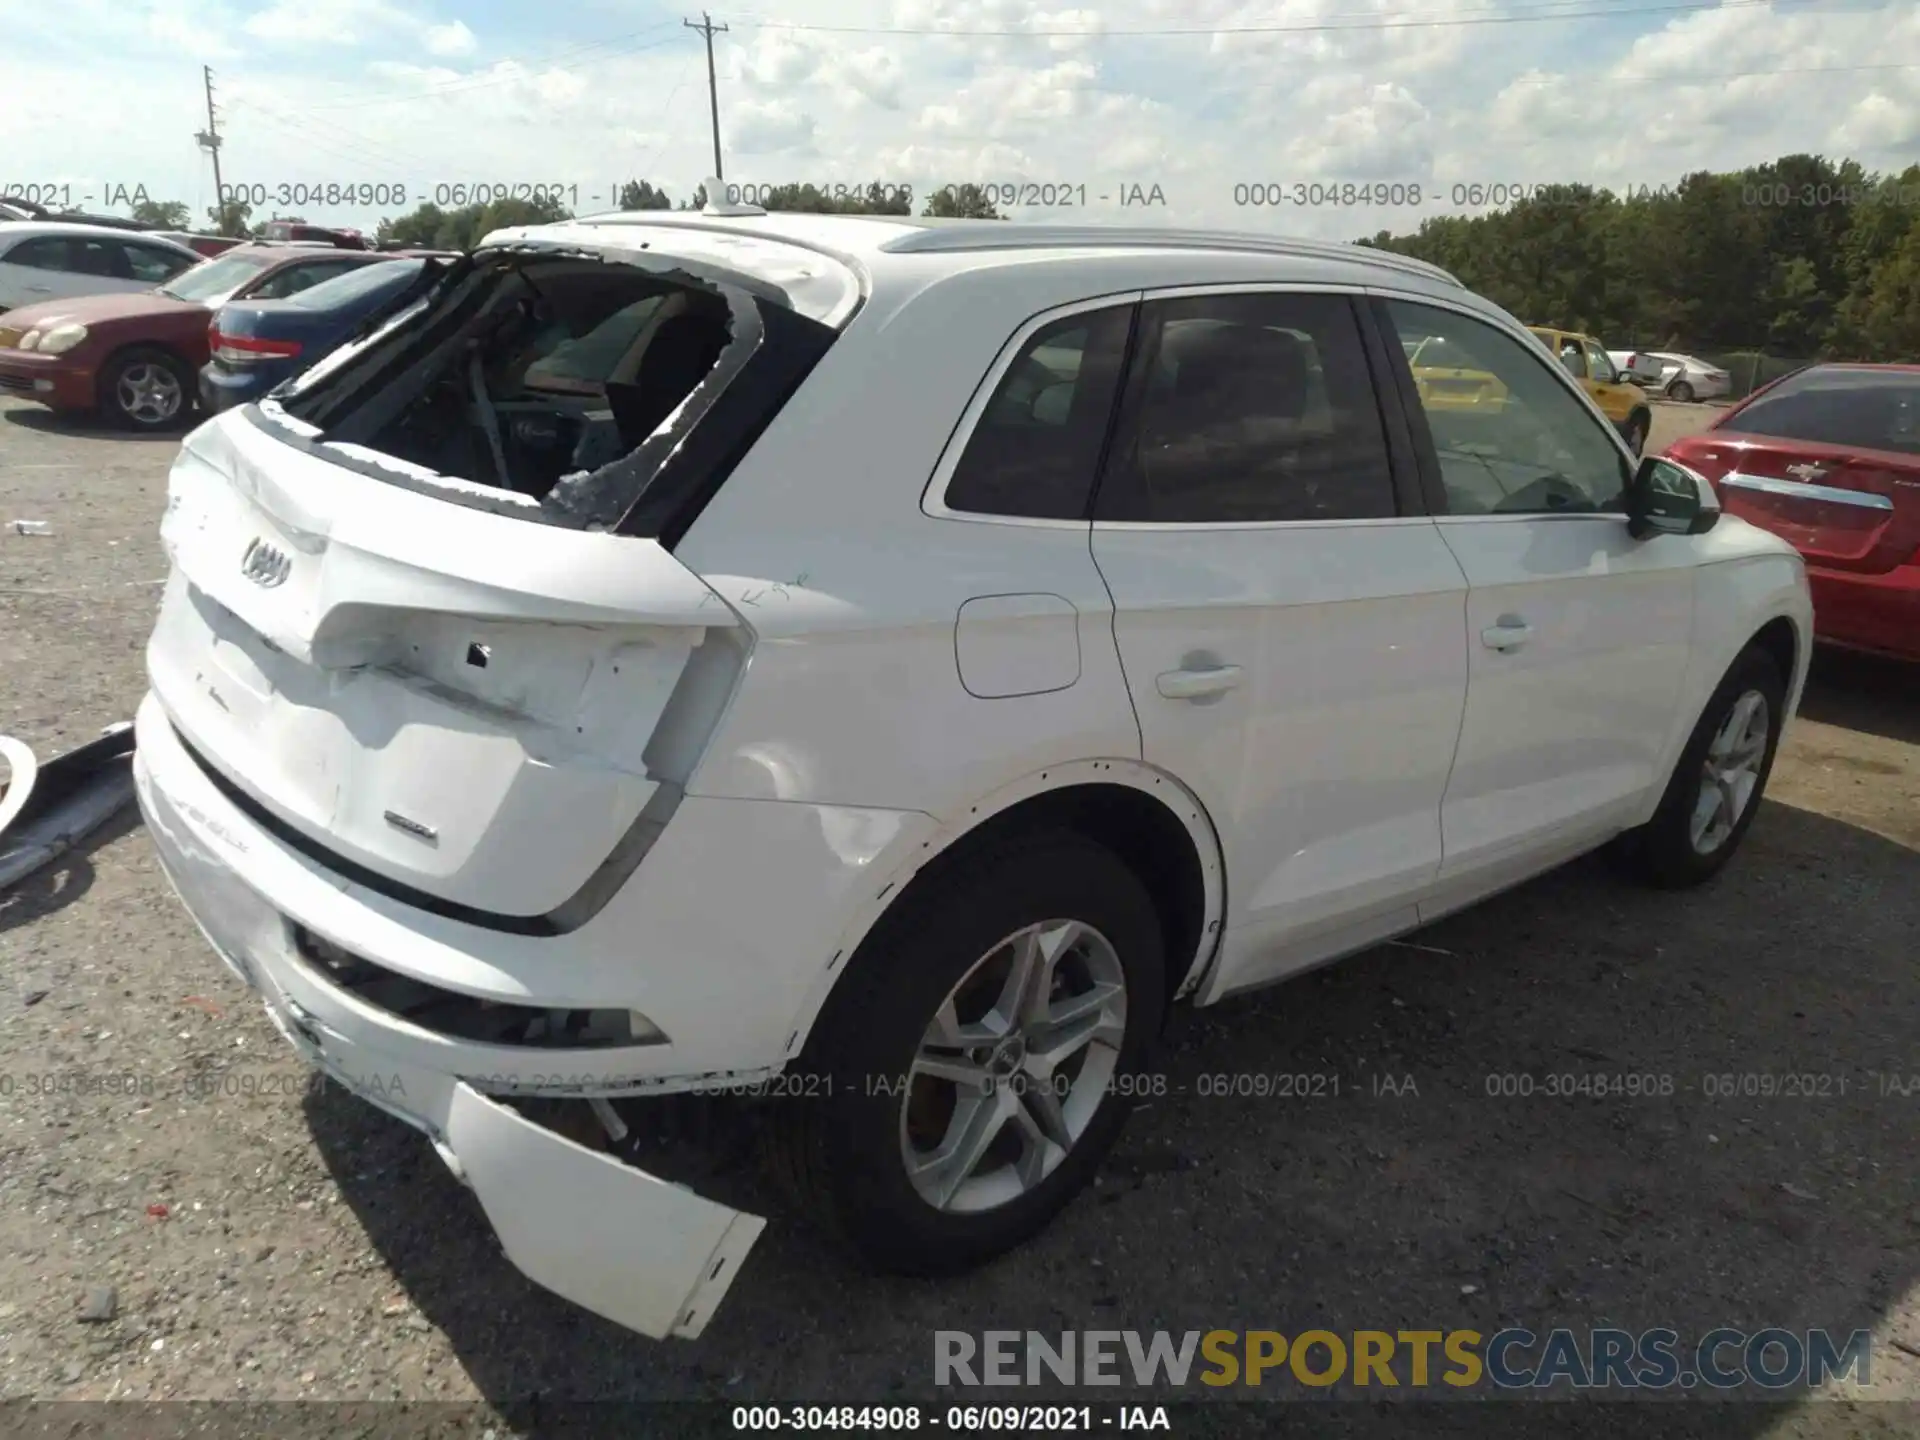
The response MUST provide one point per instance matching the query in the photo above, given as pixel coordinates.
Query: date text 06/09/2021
(953, 1419)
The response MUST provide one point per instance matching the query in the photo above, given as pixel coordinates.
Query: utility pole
(709, 29)
(210, 142)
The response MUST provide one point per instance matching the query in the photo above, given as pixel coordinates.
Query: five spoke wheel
(1017, 1059)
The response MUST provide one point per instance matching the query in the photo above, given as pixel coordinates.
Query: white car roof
(787, 249)
(21, 229)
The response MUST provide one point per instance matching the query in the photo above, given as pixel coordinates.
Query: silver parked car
(1686, 377)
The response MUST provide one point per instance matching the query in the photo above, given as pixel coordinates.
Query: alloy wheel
(1016, 1062)
(148, 393)
(1730, 773)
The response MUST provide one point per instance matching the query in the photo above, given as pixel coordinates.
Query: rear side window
(1253, 407)
(292, 279)
(46, 252)
(1864, 409)
(1036, 446)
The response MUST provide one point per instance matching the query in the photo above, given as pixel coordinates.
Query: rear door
(1609, 389)
(40, 268)
(1288, 619)
(1828, 460)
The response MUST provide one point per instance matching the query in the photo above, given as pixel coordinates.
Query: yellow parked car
(1586, 359)
(1446, 381)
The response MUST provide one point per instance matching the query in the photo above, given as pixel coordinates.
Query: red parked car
(1828, 458)
(135, 356)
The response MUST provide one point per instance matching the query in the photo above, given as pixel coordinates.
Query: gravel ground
(267, 1239)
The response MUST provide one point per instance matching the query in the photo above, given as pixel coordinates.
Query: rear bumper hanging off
(641, 1251)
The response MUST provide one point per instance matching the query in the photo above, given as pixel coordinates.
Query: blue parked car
(257, 344)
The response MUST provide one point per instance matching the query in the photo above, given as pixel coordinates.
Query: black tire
(146, 370)
(838, 1145)
(1662, 852)
(1636, 432)
(1680, 390)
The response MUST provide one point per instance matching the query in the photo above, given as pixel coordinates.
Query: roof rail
(956, 235)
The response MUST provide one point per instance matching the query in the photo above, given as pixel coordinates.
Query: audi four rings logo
(263, 564)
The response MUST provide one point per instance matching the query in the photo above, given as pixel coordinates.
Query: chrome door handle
(1197, 684)
(1509, 632)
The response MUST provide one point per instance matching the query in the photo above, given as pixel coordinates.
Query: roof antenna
(717, 202)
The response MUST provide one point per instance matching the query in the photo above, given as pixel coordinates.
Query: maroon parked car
(135, 356)
(1828, 458)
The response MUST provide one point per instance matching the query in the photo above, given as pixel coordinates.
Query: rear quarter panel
(819, 543)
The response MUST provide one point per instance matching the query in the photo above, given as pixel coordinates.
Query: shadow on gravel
(1426, 1179)
(62, 881)
(88, 427)
(1864, 692)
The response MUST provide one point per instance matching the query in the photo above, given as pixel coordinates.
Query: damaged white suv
(890, 662)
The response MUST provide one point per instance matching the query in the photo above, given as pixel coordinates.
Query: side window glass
(1250, 407)
(291, 281)
(97, 257)
(47, 252)
(1035, 448)
(152, 265)
(1510, 437)
(1599, 363)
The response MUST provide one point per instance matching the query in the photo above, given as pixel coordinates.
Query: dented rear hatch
(460, 664)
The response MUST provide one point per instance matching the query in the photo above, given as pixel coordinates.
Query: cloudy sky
(1201, 98)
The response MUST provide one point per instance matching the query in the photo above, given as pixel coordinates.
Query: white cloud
(768, 127)
(453, 38)
(385, 90)
(322, 22)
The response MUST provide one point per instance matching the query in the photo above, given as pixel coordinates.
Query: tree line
(439, 228)
(1802, 257)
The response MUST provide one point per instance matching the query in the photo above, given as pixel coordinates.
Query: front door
(1291, 635)
(1615, 397)
(1577, 634)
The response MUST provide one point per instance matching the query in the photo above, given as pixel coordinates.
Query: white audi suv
(882, 665)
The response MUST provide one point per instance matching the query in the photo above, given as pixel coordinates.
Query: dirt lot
(312, 1248)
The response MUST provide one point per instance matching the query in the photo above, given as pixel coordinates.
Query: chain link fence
(1748, 370)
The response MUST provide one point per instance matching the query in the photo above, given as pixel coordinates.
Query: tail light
(248, 349)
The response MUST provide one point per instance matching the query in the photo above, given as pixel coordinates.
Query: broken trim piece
(48, 809)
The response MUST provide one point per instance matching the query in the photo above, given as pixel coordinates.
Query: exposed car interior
(567, 368)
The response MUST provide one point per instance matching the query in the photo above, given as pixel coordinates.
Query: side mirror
(1666, 498)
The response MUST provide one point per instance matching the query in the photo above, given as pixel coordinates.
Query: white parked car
(1686, 378)
(1639, 366)
(48, 260)
(885, 664)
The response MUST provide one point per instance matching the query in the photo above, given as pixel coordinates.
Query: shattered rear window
(564, 386)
